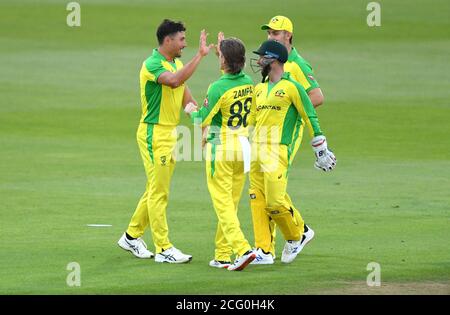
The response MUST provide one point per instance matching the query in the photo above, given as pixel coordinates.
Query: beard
(265, 72)
(178, 52)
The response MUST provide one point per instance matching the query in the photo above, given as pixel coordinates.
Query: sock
(129, 237)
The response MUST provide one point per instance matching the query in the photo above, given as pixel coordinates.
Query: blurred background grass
(68, 116)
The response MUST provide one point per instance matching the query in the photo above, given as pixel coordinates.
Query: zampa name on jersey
(243, 92)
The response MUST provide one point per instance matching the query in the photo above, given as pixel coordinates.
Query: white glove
(190, 108)
(325, 159)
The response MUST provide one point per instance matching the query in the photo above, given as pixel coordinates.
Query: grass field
(68, 157)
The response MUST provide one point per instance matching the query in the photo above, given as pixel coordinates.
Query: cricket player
(280, 28)
(163, 93)
(280, 101)
(226, 110)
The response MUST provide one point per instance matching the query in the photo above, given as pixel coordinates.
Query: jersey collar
(157, 54)
(286, 76)
(232, 76)
(293, 54)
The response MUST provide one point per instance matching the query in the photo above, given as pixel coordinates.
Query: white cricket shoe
(293, 248)
(137, 247)
(262, 258)
(219, 264)
(173, 256)
(242, 261)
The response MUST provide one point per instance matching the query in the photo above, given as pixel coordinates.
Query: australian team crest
(163, 160)
(280, 93)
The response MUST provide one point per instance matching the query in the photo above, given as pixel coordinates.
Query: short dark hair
(233, 50)
(167, 28)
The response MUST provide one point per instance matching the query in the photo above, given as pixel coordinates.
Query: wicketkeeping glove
(325, 159)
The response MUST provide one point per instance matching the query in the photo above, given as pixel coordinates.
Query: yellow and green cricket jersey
(300, 70)
(227, 107)
(279, 108)
(161, 104)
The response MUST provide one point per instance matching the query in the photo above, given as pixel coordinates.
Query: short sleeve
(155, 68)
(309, 75)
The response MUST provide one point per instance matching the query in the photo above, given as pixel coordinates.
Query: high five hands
(203, 46)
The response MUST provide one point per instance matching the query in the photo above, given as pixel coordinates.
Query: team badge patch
(163, 160)
(279, 93)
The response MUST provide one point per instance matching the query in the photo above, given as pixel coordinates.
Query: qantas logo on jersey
(271, 107)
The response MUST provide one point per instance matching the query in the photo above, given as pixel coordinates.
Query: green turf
(68, 116)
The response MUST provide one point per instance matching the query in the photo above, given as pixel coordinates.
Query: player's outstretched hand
(220, 38)
(325, 159)
(190, 108)
(204, 47)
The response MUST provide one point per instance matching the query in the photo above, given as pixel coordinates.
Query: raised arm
(220, 38)
(178, 78)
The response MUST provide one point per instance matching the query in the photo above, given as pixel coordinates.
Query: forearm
(204, 135)
(316, 97)
(186, 72)
(187, 97)
(201, 117)
(309, 115)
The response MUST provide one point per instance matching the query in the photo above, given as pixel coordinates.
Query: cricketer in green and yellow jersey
(163, 93)
(227, 110)
(280, 103)
(281, 29)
